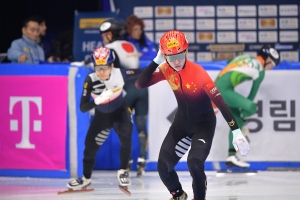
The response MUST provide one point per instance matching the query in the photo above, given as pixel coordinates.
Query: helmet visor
(273, 63)
(172, 58)
(102, 67)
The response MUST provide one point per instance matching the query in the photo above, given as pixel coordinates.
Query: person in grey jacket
(26, 49)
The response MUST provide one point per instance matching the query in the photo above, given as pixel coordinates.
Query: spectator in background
(26, 49)
(135, 34)
(46, 45)
(240, 69)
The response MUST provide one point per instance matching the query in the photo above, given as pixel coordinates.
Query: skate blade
(230, 165)
(125, 190)
(237, 170)
(78, 190)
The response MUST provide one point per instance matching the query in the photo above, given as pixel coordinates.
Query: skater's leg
(141, 113)
(140, 122)
(166, 164)
(97, 134)
(241, 108)
(202, 138)
(123, 127)
(130, 99)
(169, 156)
(137, 99)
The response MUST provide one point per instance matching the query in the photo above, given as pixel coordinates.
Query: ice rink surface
(263, 185)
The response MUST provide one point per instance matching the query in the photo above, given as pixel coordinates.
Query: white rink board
(266, 144)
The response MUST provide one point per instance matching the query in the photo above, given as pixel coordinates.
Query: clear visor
(102, 67)
(271, 62)
(172, 58)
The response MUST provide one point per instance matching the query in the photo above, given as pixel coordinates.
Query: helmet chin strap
(266, 63)
(107, 38)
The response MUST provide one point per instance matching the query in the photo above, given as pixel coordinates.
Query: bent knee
(162, 167)
(142, 134)
(250, 109)
(195, 165)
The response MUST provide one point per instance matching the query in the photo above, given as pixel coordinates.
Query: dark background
(59, 16)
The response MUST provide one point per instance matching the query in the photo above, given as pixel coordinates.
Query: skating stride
(78, 185)
(244, 68)
(105, 87)
(123, 178)
(81, 184)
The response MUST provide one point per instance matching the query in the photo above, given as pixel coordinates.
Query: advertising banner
(87, 34)
(252, 24)
(33, 122)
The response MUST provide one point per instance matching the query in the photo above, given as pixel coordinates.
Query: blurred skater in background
(240, 69)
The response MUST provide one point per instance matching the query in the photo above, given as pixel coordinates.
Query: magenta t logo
(25, 121)
(30, 122)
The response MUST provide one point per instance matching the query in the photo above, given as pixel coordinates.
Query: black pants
(196, 132)
(98, 131)
(137, 99)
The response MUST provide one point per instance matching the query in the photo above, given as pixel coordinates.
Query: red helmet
(173, 42)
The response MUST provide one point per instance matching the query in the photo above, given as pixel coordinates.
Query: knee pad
(162, 167)
(126, 142)
(195, 166)
(89, 156)
(125, 131)
(141, 123)
(142, 134)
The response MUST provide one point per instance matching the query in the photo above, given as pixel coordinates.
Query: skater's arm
(239, 141)
(85, 103)
(152, 73)
(255, 85)
(216, 97)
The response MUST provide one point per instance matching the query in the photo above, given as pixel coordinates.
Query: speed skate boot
(184, 196)
(79, 183)
(141, 166)
(235, 161)
(123, 177)
(129, 166)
